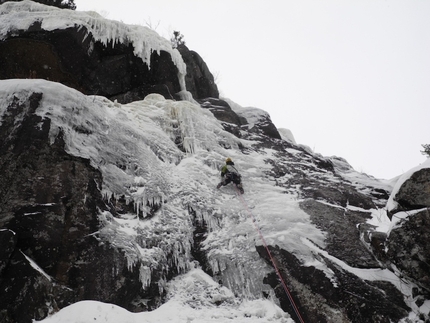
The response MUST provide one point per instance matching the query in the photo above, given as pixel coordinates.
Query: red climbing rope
(284, 285)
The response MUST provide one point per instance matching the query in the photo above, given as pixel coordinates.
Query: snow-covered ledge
(18, 16)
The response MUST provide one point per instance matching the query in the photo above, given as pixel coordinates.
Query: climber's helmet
(228, 160)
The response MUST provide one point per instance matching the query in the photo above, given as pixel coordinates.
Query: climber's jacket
(229, 168)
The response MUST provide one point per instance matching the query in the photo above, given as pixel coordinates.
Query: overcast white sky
(348, 78)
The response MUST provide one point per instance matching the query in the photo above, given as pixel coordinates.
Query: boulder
(222, 111)
(414, 193)
(259, 122)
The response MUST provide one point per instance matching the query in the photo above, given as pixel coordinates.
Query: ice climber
(229, 174)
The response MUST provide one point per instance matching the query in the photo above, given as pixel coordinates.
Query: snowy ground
(194, 297)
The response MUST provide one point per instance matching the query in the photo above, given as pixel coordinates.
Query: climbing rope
(284, 285)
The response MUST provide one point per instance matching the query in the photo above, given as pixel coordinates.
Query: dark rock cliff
(199, 80)
(49, 201)
(74, 57)
(407, 244)
(64, 56)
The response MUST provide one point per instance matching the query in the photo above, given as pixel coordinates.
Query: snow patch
(36, 267)
(287, 135)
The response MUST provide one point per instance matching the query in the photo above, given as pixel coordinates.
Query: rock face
(407, 244)
(63, 56)
(408, 247)
(64, 239)
(75, 57)
(318, 300)
(61, 245)
(49, 201)
(339, 209)
(199, 80)
(222, 111)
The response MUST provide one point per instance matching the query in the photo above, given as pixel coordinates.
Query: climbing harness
(284, 285)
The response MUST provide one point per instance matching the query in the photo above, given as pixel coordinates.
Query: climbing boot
(239, 186)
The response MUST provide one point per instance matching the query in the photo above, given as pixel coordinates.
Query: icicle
(189, 145)
(161, 285)
(145, 276)
(187, 96)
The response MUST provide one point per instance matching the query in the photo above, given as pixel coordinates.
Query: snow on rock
(287, 135)
(36, 267)
(399, 218)
(251, 114)
(126, 142)
(258, 120)
(392, 204)
(18, 16)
